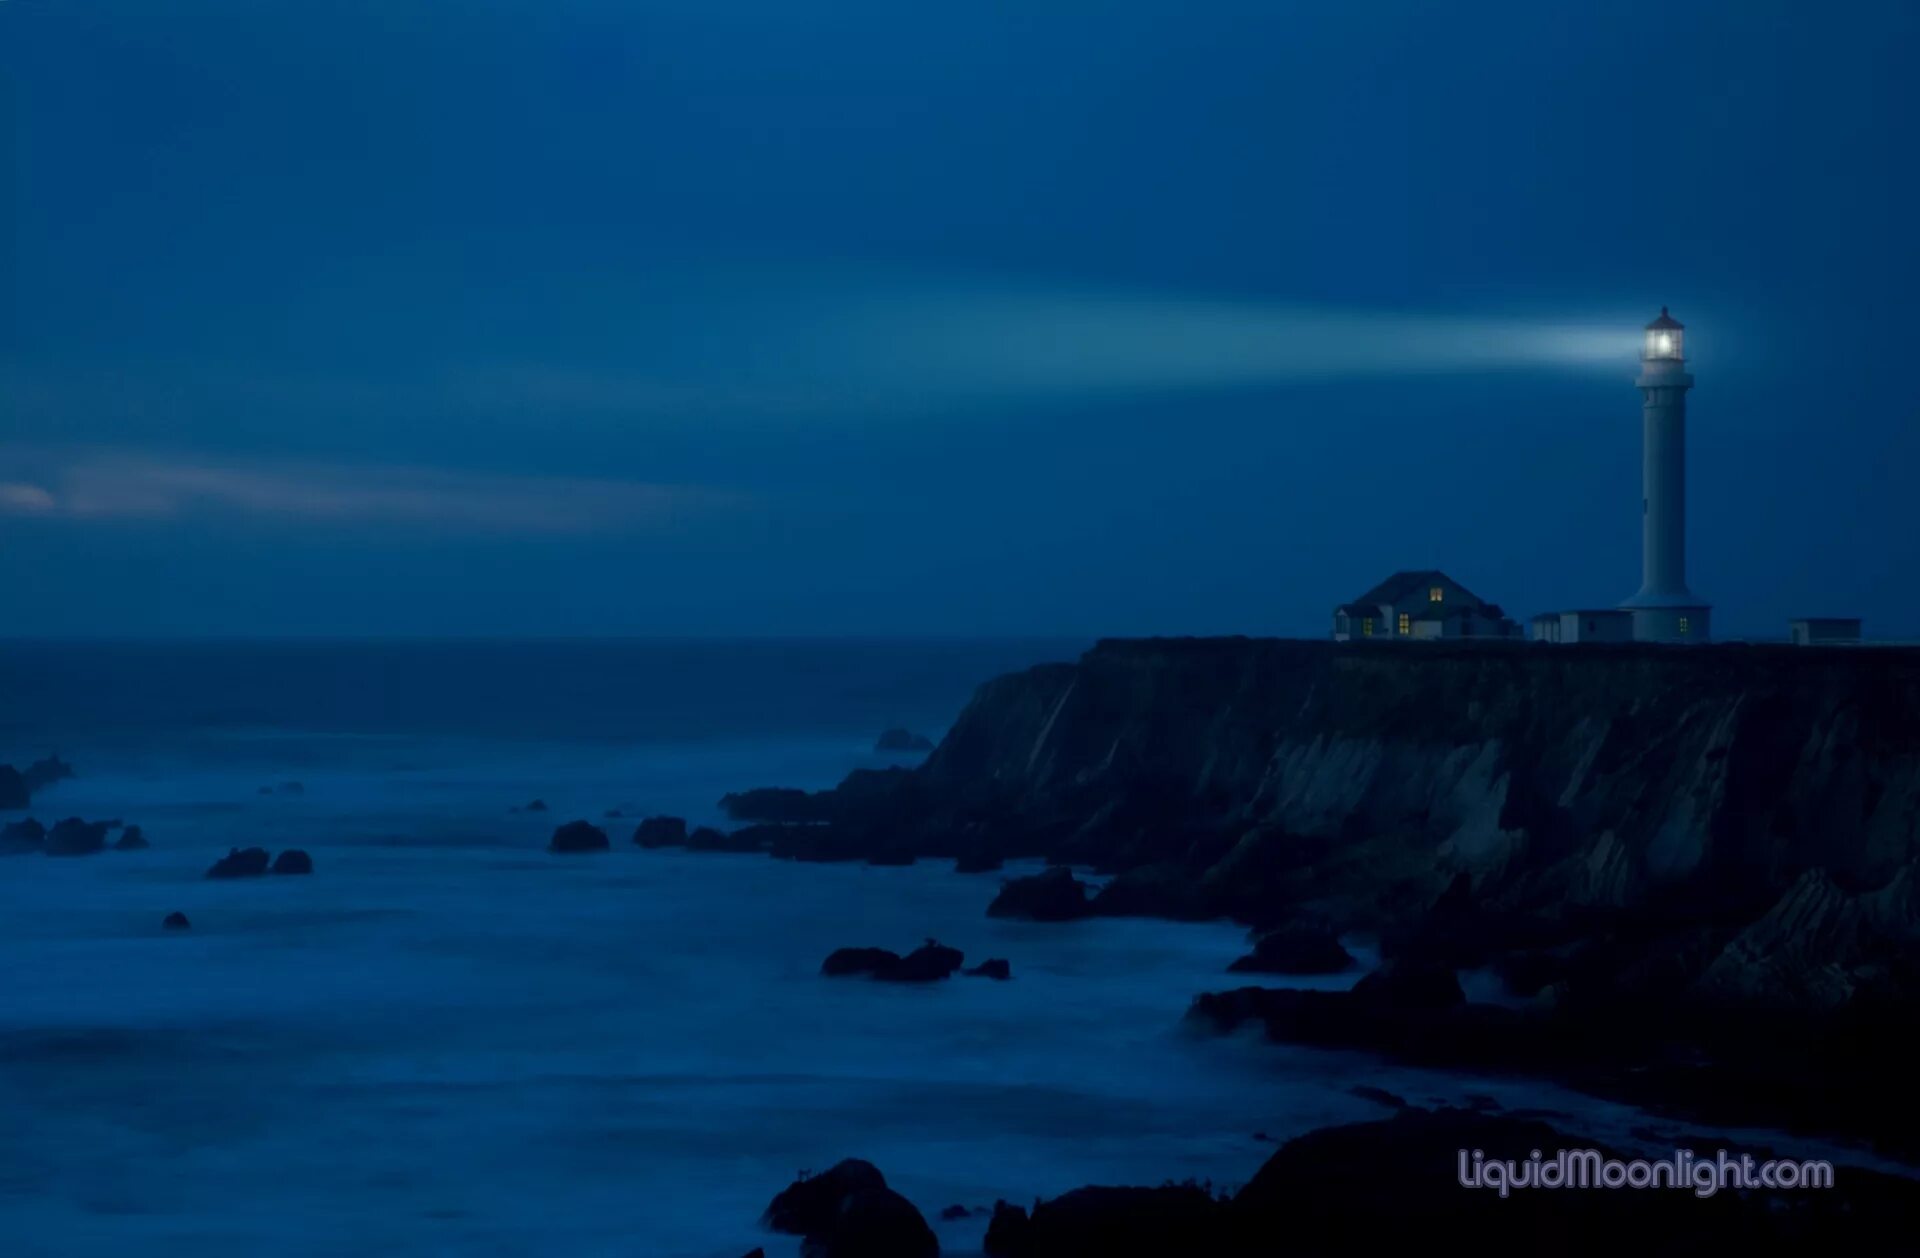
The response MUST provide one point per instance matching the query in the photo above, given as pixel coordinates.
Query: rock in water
(1295, 950)
(879, 1223)
(131, 840)
(240, 862)
(844, 962)
(293, 861)
(74, 837)
(809, 1205)
(849, 1212)
(1410, 985)
(538, 805)
(176, 921)
(578, 836)
(1053, 896)
(992, 967)
(22, 836)
(902, 740)
(928, 963)
(661, 832)
(45, 772)
(1173, 1219)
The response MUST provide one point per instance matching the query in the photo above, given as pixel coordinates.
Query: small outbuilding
(1819, 630)
(1610, 624)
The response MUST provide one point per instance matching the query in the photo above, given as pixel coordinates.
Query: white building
(1664, 609)
(1819, 630)
(1611, 624)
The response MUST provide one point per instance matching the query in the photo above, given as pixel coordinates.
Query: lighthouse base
(1680, 625)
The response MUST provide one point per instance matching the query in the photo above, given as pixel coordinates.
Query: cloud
(132, 486)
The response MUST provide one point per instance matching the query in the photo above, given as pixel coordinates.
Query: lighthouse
(1664, 610)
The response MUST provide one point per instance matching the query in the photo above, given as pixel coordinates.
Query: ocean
(449, 1041)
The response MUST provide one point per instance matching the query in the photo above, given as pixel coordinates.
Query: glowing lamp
(1664, 339)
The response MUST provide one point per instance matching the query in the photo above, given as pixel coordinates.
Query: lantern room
(1664, 342)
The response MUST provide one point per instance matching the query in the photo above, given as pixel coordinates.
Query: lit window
(1435, 594)
(1406, 623)
(1366, 627)
(1683, 624)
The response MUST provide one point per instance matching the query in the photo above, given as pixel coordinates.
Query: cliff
(1768, 795)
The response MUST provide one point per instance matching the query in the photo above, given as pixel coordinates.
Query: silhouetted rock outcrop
(293, 861)
(26, 835)
(1053, 896)
(131, 839)
(849, 1212)
(661, 832)
(992, 967)
(74, 837)
(578, 836)
(45, 772)
(17, 786)
(247, 862)
(176, 921)
(1648, 841)
(1295, 950)
(1392, 1186)
(902, 740)
(13, 789)
(929, 962)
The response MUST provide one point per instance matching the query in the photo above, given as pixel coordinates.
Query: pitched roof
(1401, 584)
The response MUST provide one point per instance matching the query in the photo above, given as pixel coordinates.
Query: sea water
(449, 1041)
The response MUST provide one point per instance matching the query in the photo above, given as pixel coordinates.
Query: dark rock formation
(847, 962)
(131, 839)
(578, 836)
(955, 1212)
(240, 862)
(1053, 896)
(1295, 950)
(928, 963)
(810, 1205)
(45, 772)
(17, 786)
(1174, 1219)
(27, 835)
(1656, 844)
(902, 740)
(849, 1212)
(538, 805)
(176, 921)
(74, 837)
(992, 967)
(661, 832)
(777, 805)
(293, 861)
(1393, 1185)
(612, 814)
(14, 794)
(745, 839)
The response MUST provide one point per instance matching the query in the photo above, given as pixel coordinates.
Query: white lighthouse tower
(1665, 610)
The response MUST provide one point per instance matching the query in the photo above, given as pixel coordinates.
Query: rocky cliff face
(1767, 796)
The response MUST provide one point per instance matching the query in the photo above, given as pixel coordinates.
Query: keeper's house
(1420, 606)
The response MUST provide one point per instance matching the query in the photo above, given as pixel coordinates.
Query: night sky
(715, 317)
